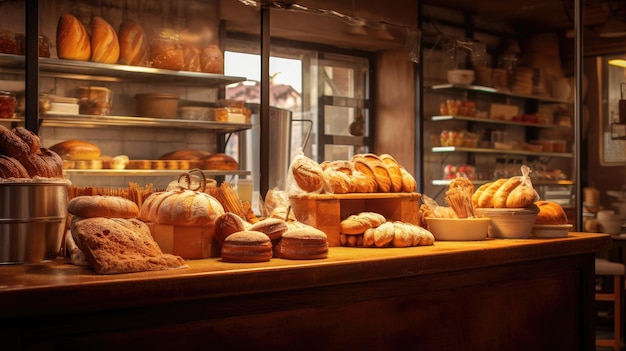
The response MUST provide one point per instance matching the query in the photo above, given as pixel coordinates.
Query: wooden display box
(186, 242)
(326, 211)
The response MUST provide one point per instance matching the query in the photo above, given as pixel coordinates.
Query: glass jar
(7, 104)
(94, 101)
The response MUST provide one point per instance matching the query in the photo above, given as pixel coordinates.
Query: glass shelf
(148, 172)
(495, 121)
(492, 91)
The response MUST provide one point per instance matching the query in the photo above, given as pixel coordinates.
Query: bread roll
(303, 244)
(478, 193)
(308, 174)
(550, 213)
(227, 224)
(88, 206)
(29, 138)
(274, 228)
(134, 47)
(73, 42)
(354, 224)
(105, 46)
(247, 247)
(76, 150)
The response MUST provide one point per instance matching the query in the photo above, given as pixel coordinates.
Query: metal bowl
(32, 219)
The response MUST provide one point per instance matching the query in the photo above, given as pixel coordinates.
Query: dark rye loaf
(117, 245)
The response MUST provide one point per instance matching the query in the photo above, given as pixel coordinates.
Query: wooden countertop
(55, 286)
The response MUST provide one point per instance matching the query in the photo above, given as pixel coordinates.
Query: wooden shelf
(500, 151)
(496, 121)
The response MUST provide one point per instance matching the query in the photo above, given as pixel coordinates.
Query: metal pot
(32, 219)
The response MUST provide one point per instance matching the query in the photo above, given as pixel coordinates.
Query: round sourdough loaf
(181, 207)
(550, 213)
(88, 206)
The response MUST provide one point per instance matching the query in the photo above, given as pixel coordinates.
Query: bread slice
(117, 245)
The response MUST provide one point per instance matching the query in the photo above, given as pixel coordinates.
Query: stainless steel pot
(32, 219)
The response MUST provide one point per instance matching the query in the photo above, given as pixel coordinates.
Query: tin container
(32, 219)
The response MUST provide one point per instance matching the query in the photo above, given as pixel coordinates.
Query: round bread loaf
(181, 207)
(73, 42)
(89, 206)
(227, 224)
(54, 161)
(11, 168)
(105, 46)
(212, 60)
(303, 244)
(550, 213)
(167, 53)
(247, 247)
(308, 174)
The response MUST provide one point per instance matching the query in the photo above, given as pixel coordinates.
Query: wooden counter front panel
(526, 306)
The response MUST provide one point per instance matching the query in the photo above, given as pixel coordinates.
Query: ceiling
(539, 15)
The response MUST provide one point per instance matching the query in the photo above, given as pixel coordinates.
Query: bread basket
(510, 223)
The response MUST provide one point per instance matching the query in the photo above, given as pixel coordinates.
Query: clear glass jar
(7, 104)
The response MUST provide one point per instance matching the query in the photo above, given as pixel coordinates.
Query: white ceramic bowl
(458, 229)
(510, 223)
(460, 76)
(551, 230)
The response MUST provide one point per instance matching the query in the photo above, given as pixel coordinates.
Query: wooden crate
(186, 242)
(326, 211)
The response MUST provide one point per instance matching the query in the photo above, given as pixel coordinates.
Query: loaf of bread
(88, 206)
(181, 207)
(191, 56)
(22, 146)
(73, 41)
(105, 46)
(212, 60)
(186, 154)
(220, 161)
(504, 193)
(117, 245)
(550, 212)
(227, 224)
(167, 53)
(395, 173)
(11, 168)
(308, 174)
(134, 47)
(76, 150)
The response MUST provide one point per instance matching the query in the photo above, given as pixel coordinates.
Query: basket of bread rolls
(510, 204)
(458, 221)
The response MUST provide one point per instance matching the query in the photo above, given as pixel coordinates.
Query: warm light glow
(613, 29)
(618, 62)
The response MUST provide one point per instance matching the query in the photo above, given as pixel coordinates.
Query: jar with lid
(7, 104)
(94, 101)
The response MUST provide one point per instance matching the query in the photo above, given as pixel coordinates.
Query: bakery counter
(487, 295)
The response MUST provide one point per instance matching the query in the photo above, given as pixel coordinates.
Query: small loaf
(134, 47)
(220, 161)
(167, 53)
(227, 224)
(212, 60)
(73, 41)
(303, 244)
(504, 193)
(105, 46)
(550, 212)
(308, 174)
(11, 168)
(247, 247)
(76, 150)
(88, 206)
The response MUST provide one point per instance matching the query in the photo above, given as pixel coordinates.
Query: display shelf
(446, 182)
(86, 70)
(89, 121)
(492, 91)
(496, 121)
(148, 172)
(500, 151)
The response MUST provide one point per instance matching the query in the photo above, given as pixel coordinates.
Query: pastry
(227, 224)
(247, 247)
(73, 42)
(303, 244)
(274, 228)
